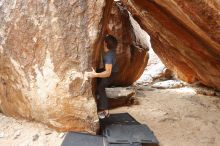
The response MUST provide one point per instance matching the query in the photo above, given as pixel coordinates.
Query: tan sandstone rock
(45, 48)
(133, 45)
(185, 35)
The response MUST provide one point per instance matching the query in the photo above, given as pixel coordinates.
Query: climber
(106, 75)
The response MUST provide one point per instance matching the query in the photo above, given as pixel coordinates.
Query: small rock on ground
(169, 84)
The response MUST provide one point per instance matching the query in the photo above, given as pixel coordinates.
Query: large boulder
(185, 35)
(132, 51)
(45, 48)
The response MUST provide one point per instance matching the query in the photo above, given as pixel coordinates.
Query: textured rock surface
(131, 53)
(45, 47)
(185, 35)
(168, 84)
(121, 96)
(118, 92)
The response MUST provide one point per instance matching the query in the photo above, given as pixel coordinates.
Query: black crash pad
(120, 118)
(117, 130)
(129, 134)
(134, 144)
(80, 139)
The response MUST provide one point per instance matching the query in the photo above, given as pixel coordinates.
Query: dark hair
(111, 42)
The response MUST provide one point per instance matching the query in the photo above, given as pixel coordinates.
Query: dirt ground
(178, 117)
(23, 133)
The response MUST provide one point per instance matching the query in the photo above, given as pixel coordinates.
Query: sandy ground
(178, 117)
(23, 133)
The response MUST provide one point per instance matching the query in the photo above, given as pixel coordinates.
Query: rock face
(120, 96)
(45, 48)
(132, 51)
(185, 35)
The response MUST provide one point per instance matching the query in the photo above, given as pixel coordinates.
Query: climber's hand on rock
(91, 74)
